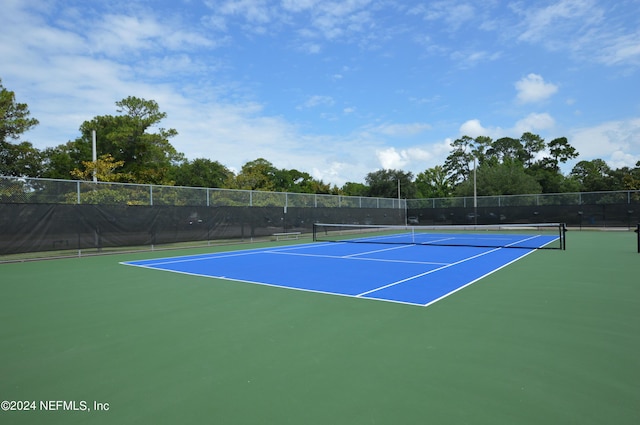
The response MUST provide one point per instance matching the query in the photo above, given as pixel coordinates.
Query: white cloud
(401, 130)
(621, 50)
(469, 59)
(534, 122)
(254, 11)
(531, 123)
(473, 128)
(298, 5)
(315, 101)
(611, 141)
(560, 16)
(68, 72)
(392, 158)
(587, 29)
(454, 15)
(533, 88)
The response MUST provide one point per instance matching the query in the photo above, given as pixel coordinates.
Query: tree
(434, 183)
(148, 157)
(507, 178)
(14, 117)
(200, 172)
(457, 163)
(59, 161)
(626, 178)
(531, 145)
(384, 184)
(548, 175)
(506, 149)
(547, 169)
(256, 175)
(594, 175)
(480, 147)
(104, 169)
(561, 151)
(20, 159)
(354, 189)
(298, 182)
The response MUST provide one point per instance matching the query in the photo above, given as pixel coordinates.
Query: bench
(286, 236)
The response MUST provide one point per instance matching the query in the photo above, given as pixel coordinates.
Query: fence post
(78, 190)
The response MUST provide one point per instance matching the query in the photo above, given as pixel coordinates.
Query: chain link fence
(45, 215)
(49, 191)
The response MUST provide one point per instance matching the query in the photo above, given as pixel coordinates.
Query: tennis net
(527, 236)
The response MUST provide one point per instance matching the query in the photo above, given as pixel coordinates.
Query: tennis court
(384, 263)
(552, 337)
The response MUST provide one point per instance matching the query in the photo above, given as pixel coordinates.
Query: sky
(337, 89)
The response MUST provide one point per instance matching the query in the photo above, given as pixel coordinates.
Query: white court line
(377, 250)
(351, 257)
(524, 240)
(210, 256)
(274, 285)
(435, 241)
(477, 279)
(426, 273)
(192, 258)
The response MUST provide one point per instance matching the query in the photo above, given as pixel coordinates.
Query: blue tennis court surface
(410, 274)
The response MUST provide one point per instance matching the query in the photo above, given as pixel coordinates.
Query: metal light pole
(475, 193)
(95, 156)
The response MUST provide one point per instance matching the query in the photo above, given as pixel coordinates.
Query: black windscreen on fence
(50, 227)
(605, 215)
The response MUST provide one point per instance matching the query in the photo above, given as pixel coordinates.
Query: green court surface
(553, 338)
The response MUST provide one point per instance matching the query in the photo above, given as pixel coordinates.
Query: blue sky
(334, 88)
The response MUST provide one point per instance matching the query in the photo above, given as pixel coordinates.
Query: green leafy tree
(561, 151)
(506, 149)
(19, 159)
(547, 170)
(594, 175)
(481, 146)
(626, 178)
(293, 181)
(434, 183)
(507, 178)
(384, 184)
(259, 174)
(457, 164)
(547, 174)
(200, 172)
(148, 157)
(104, 169)
(354, 189)
(532, 144)
(59, 161)
(14, 116)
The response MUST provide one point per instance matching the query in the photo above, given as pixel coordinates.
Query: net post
(638, 235)
(563, 236)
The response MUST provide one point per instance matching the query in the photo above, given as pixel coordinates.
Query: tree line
(138, 150)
